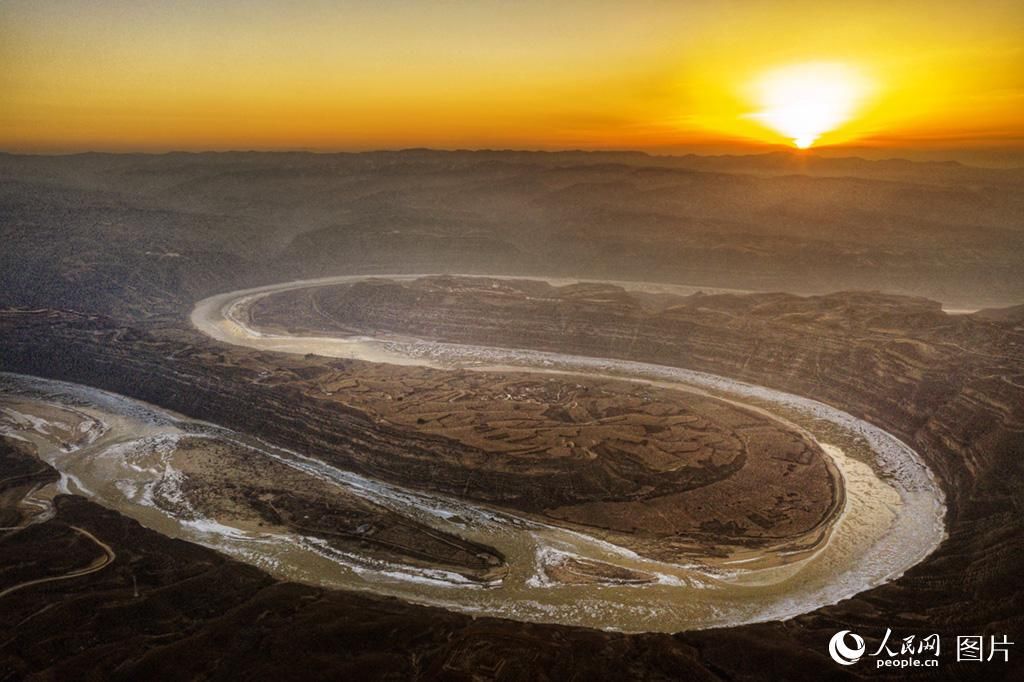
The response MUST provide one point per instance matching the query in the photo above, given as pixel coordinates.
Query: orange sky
(148, 75)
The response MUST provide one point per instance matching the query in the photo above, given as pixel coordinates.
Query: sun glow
(804, 101)
(158, 76)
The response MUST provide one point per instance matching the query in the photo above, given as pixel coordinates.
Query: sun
(804, 101)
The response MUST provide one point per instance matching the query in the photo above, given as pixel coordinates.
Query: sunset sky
(147, 75)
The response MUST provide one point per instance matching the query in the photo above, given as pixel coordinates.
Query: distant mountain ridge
(91, 228)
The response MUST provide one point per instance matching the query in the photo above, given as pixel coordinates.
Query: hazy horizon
(1000, 158)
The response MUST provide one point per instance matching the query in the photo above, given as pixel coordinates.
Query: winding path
(97, 564)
